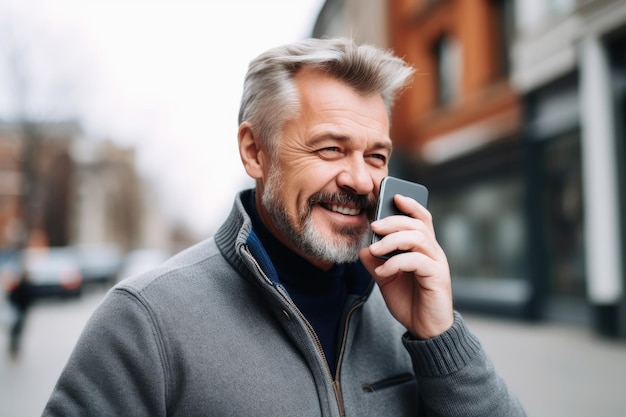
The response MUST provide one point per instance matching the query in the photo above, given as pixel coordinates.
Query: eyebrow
(384, 144)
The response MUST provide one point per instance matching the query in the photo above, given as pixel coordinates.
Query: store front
(555, 201)
(510, 215)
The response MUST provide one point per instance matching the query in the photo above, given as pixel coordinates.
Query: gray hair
(270, 96)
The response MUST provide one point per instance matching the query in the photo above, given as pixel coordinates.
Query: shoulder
(188, 271)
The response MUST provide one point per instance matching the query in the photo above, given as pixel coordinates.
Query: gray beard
(342, 247)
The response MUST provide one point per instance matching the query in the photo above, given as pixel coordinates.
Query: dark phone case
(389, 187)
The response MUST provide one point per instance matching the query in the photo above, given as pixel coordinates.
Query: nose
(356, 177)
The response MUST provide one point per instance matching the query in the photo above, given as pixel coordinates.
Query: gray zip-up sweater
(213, 333)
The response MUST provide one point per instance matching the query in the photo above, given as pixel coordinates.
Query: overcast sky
(164, 76)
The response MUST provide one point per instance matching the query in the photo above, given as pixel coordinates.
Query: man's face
(319, 191)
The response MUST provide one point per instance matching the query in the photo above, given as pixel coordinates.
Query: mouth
(351, 206)
(342, 209)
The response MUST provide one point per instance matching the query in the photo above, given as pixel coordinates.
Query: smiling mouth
(346, 210)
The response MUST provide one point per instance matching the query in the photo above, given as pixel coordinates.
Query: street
(51, 330)
(555, 370)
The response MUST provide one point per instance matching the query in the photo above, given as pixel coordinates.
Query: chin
(338, 245)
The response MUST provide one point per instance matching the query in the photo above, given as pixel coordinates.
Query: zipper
(320, 350)
(318, 346)
(309, 327)
(258, 267)
(342, 350)
(339, 397)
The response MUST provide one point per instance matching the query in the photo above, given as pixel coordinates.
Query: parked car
(99, 262)
(50, 271)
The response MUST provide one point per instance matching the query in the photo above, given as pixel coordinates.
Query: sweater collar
(236, 236)
(294, 270)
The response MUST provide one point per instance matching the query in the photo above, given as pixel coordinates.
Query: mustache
(344, 197)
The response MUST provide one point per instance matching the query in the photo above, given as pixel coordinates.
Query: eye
(379, 158)
(330, 152)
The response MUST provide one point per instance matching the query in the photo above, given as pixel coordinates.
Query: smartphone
(389, 187)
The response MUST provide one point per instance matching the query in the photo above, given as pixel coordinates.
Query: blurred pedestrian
(20, 297)
(279, 313)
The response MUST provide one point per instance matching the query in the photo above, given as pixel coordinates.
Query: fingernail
(375, 223)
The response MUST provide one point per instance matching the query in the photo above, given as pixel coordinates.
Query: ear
(250, 151)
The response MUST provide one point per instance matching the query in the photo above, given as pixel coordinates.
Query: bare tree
(40, 81)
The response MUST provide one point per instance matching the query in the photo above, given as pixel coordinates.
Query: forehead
(330, 104)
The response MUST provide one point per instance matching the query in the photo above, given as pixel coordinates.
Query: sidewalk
(556, 370)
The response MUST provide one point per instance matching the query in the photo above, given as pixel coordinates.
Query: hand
(416, 285)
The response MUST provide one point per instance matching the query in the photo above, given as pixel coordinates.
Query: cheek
(308, 179)
(378, 178)
(294, 197)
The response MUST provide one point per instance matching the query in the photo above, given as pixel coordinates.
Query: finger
(393, 224)
(412, 262)
(407, 240)
(413, 211)
(412, 208)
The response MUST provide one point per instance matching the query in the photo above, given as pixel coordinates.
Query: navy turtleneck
(320, 295)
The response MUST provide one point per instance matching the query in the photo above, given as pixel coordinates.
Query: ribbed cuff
(444, 354)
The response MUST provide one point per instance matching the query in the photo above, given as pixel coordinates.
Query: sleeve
(456, 378)
(117, 364)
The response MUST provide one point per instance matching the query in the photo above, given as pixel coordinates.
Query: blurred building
(36, 175)
(58, 188)
(515, 122)
(569, 62)
(114, 203)
(107, 201)
(10, 187)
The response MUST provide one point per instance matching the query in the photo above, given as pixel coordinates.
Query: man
(287, 311)
(21, 298)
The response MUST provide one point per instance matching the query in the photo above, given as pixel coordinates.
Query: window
(482, 229)
(447, 58)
